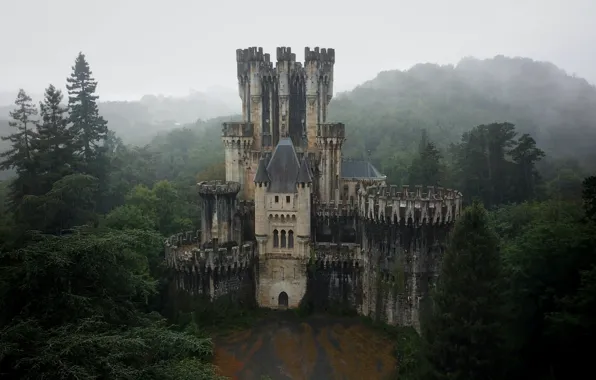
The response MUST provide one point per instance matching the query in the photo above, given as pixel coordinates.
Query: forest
(85, 214)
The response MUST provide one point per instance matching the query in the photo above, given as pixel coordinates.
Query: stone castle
(294, 224)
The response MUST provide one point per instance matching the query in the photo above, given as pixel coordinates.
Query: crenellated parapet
(331, 131)
(237, 129)
(190, 257)
(228, 188)
(337, 255)
(390, 204)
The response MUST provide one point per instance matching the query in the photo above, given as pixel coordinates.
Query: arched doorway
(282, 300)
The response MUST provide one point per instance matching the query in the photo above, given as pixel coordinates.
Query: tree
(53, 145)
(525, 154)
(463, 332)
(89, 129)
(73, 309)
(426, 168)
(20, 154)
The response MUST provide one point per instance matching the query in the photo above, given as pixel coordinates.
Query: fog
(138, 47)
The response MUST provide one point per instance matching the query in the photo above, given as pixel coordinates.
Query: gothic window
(275, 238)
(283, 238)
(276, 199)
(290, 239)
(287, 199)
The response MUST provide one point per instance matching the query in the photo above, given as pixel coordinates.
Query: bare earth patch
(302, 349)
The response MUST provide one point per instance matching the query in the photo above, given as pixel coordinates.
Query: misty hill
(136, 122)
(385, 115)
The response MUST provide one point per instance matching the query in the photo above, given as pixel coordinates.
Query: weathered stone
(331, 238)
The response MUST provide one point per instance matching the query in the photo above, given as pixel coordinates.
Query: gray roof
(261, 175)
(359, 169)
(283, 167)
(304, 175)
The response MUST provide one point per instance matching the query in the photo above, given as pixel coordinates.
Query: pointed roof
(283, 167)
(261, 176)
(360, 170)
(304, 175)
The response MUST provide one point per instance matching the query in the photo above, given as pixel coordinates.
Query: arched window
(275, 239)
(283, 238)
(290, 239)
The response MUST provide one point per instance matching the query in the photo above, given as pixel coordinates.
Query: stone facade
(295, 224)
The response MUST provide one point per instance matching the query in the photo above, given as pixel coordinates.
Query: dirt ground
(317, 348)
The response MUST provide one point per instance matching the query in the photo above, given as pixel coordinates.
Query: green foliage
(159, 208)
(426, 168)
(72, 310)
(53, 151)
(464, 333)
(20, 154)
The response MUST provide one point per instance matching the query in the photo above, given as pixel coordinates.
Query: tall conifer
(464, 330)
(20, 156)
(88, 128)
(53, 145)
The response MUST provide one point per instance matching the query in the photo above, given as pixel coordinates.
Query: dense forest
(84, 217)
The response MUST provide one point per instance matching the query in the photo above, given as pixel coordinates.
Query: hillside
(136, 122)
(386, 114)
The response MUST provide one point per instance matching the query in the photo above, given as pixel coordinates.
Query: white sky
(137, 47)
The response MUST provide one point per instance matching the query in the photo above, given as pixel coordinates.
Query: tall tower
(329, 140)
(288, 100)
(319, 89)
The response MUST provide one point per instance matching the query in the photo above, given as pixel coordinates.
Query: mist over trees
(85, 214)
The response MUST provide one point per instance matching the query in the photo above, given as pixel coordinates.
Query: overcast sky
(137, 47)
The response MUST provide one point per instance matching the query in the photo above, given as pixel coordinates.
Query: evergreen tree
(525, 154)
(53, 146)
(20, 155)
(463, 331)
(426, 168)
(89, 129)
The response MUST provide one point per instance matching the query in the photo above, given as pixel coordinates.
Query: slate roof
(359, 169)
(304, 175)
(283, 167)
(261, 175)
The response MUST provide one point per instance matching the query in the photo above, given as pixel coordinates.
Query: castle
(294, 224)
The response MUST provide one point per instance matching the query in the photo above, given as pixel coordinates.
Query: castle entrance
(282, 300)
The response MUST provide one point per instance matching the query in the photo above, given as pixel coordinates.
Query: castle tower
(218, 209)
(282, 226)
(303, 228)
(318, 66)
(288, 100)
(237, 139)
(330, 139)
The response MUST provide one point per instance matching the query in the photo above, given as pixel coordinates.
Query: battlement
(285, 54)
(334, 254)
(323, 55)
(252, 54)
(193, 258)
(333, 130)
(237, 129)
(419, 192)
(218, 188)
(423, 205)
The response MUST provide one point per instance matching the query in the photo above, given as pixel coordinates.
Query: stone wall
(334, 278)
(211, 272)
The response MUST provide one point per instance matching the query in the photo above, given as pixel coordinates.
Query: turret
(262, 182)
(330, 139)
(285, 62)
(318, 66)
(304, 188)
(217, 213)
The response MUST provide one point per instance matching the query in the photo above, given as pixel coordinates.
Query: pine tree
(20, 156)
(426, 168)
(463, 333)
(89, 129)
(53, 145)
